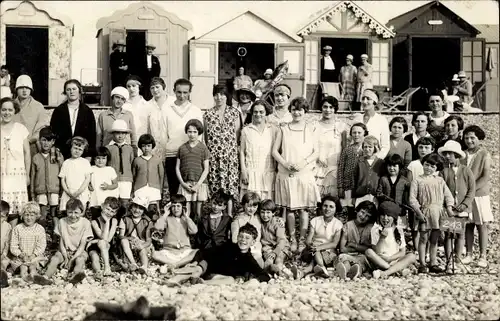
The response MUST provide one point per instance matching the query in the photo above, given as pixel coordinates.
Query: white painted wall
(208, 15)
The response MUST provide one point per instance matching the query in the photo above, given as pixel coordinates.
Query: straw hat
(327, 48)
(120, 91)
(141, 202)
(24, 81)
(268, 71)
(120, 126)
(452, 146)
(149, 45)
(247, 90)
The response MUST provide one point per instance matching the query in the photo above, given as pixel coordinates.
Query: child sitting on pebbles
(177, 249)
(388, 252)
(28, 242)
(355, 240)
(75, 231)
(214, 228)
(135, 235)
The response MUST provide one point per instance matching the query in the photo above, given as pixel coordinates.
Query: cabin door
(295, 54)
(203, 71)
(473, 52)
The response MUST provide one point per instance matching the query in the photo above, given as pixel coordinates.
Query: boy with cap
(388, 251)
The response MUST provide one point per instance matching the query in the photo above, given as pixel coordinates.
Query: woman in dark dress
(73, 118)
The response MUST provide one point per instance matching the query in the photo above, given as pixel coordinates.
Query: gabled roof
(361, 14)
(40, 6)
(489, 32)
(261, 18)
(403, 20)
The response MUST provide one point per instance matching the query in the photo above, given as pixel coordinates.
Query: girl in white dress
(258, 168)
(296, 151)
(332, 134)
(103, 181)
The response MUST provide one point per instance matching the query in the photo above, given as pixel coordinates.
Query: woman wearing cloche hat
(348, 74)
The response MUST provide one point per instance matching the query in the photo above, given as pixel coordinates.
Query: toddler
(104, 228)
(177, 250)
(44, 179)
(399, 127)
(28, 242)
(388, 252)
(75, 232)
(135, 235)
(367, 171)
(103, 181)
(214, 228)
(6, 231)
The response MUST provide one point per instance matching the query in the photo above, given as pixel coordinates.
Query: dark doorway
(136, 48)
(258, 58)
(341, 47)
(28, 54)
(400, 66)
(434, 61)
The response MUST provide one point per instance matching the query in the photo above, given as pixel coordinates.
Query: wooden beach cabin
(138, 24)
(348, 29)
(36, 40)
(248, 40)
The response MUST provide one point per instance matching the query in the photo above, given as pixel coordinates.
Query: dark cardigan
(206, 239)
(85, 127)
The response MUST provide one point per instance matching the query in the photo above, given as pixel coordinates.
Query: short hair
(183, 82)
(75, 82)
(112, 202)
(370, 139)
(196, 123)
(436, 92)
(134, 78)
(394, 159)
(4, 100)
(332, 101)
(268, 108)
(79, 141)
(433, 159)
(157, 81)
(420, 113)
(4, 207)
(334, 199)
(299, 103)
(426, 141)
(363, 126)
(146, 139)
(74, 204)
(401, 120)
(480, 134)
(178, 198)
(32, 207)
(103, 152)
(268, 205)
(460, 121)
(219, 89)
(250, 198)
(249, 229)
(220, 197)
(47, 133)
(4, 67)
(369, 207)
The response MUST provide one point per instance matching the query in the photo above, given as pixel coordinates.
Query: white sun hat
(120, 91)
(120, 126)
(24, 81)
(452, 146)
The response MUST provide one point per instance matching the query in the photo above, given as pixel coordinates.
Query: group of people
(106, 187)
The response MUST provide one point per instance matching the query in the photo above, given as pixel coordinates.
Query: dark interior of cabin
(136, 46)
(28, 54)
(258, 58)
(341, 47)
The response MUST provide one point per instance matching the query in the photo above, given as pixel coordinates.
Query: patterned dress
(364, 80)
(13, 186)
(348, 76)
(222, 143)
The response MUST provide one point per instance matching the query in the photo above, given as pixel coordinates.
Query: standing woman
(420, 122)
(296, 151)
(222, 130)
(332, 138)
(376, 123)
(437, 116)
(15, 157)
(137, 105)
(258, 168)
(74, 118)
(347, 77)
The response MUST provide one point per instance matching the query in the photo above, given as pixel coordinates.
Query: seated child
(177, 249)
(275, 246)
(214, 228)
(28, 242)
(224, 263)
(388, 252)
(323, 238)
(75, 231)
(104, 228)
(355, 240)
(6, 231)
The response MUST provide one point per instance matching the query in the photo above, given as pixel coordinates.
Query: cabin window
(472, 60)
(311, 61)
(203, 59)
(380, 63)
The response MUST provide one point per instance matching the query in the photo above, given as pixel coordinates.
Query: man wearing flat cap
(347, 78)
(118, 64)
(327, 66)
(152, 68)
(364, 77)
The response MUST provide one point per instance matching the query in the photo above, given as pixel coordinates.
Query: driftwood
(137, 310)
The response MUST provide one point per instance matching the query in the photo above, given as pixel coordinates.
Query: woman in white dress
(258, 168)
(15, 157)
(332, 135)
(137, 105)
(296, 151)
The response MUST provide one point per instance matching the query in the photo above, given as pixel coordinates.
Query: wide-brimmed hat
(120, 91)
(455, 78)
(24, 81)
(150, 45)
(120, 126)
(452, 146)
(462, 74)
(327, 48)
(268, 71)
(141, 202)
(246, 90)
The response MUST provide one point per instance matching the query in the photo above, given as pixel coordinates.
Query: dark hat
(389, 208)
(241, 90)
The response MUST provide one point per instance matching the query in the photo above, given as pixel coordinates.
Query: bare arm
(178, 174)
(112, 230)
(235, 227)
(333, 244)
(276, 147)
(204, 174)
(310, 235)
(14, 243)
(27, 156)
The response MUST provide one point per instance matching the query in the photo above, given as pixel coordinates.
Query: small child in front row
(44, 177)
(214, 228)
(135, 235)
(75, 232)
(103, 181)
(462, 184)
(428, 193)
(28, 242)
(104, 228)
(177, 250)
(148, 175)
(388, 252)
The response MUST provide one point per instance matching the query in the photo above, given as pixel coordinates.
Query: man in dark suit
(118, 64)
(152, 69)
(327, 66)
